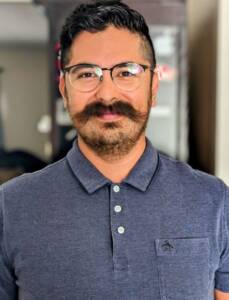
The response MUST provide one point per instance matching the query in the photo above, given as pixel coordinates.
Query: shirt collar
(91, 179)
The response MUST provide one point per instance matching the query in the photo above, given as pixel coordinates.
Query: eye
(128, 71)
(125, 74)
(85, 75)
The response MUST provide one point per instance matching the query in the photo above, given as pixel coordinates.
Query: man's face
(94, 113)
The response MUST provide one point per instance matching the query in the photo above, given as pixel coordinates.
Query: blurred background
(190, 122)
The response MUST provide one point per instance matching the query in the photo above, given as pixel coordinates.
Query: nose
(106, 89)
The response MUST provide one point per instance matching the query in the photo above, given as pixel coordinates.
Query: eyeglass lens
(125, 76)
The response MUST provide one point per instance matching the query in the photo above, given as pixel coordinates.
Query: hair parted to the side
(95, 16)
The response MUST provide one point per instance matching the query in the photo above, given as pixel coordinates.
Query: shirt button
(116, 188)
(121, 229)
(117, 208)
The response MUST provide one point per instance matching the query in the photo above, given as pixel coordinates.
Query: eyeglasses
(126, 76)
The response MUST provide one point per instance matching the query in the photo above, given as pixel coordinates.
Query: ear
(155, 86)
(62, 89)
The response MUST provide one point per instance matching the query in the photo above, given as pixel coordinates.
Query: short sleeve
(7, 281)
(222, 274)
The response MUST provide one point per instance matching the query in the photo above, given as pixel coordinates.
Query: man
(114, 219)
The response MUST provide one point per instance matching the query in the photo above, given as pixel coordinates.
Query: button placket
(118, 209)
(119, 230)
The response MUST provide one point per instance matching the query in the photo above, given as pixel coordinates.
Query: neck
(116, 169)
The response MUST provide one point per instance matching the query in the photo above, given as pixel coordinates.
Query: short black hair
(95, 16)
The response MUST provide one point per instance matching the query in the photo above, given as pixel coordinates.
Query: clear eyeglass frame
(126, 76)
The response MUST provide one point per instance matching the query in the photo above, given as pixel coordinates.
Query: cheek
(77, 101)
(140, 99)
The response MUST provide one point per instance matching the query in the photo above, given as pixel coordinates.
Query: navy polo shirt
(67, 232)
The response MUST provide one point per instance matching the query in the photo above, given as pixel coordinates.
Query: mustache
(98, 108)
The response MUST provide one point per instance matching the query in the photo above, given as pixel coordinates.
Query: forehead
(107, 47)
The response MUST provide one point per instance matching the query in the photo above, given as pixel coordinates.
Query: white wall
(222, 132)
(25, 84)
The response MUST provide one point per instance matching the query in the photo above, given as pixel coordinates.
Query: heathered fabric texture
(59, 233)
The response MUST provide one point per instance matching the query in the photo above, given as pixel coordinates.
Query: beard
(111, 140)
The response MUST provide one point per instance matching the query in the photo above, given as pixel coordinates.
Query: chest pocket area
(183, 268)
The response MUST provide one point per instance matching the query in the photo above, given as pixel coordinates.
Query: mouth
(109, 116)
